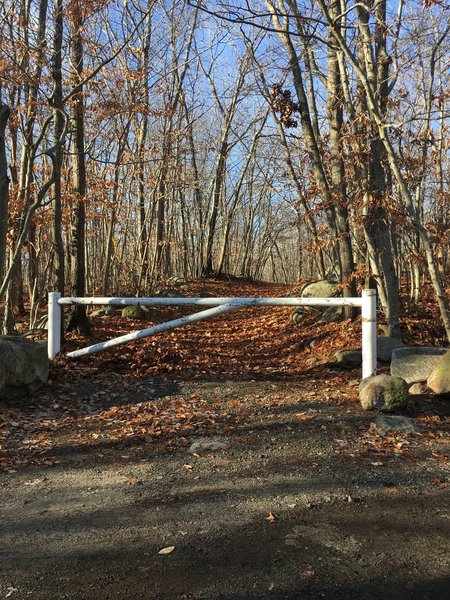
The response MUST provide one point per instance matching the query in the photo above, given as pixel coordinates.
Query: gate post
(53, 325)
(369, 333)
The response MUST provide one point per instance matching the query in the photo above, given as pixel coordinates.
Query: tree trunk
(78, 320)
(335, 100)
(58, 282)
(4, 188)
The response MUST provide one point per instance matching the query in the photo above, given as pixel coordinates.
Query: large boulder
(24, 366)
(323, 288)
(385, 347)
(439, 380)
(415, 364)
(383, 392)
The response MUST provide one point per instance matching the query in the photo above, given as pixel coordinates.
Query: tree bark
(5, 112)
(58, 282)
(77, 319)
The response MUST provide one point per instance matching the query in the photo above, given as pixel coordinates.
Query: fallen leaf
(271, 518)
(439, 456)
(134, 481)
(437, 481)
(167, 550)
(302, 416)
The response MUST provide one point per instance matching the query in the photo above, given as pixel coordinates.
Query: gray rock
(332, 314)
(416, 389)
(151, 312)
(297, 316)
(415, 364)
(385, 346)
(383, 392)
(389, 423)
(439, 380)
(169, 293)
(207, 445)
(348, 358)
(105, 311)
(135, 311)
(351, 358)
(319, 289)
(24, 366)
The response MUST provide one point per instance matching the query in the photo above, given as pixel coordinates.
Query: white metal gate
(367, 304)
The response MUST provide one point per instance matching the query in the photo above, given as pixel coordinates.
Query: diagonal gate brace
(137, 335)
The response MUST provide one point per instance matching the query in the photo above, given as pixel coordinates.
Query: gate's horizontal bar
(216, 301)
(137, 335)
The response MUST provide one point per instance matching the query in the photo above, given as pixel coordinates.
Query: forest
(281, 141)
(261, 157)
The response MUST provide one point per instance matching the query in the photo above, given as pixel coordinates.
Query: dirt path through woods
(300, 498)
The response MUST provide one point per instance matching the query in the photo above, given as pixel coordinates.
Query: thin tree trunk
(78, 319)
(4, 188)
(335, 118)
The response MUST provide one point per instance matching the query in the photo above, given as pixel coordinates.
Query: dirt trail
(302, 499)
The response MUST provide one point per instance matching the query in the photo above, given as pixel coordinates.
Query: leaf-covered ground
(303, 500)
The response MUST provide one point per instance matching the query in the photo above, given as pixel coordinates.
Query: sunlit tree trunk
(5, 112)
(78, 319)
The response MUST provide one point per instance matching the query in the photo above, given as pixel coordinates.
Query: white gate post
(369, 333)
(53, 325)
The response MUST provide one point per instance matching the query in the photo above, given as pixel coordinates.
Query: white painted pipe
(137, 335)
(216, 301)
(54, 325)
(367, 302)
(369, 333)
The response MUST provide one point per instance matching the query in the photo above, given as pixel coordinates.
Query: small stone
(206, 445)
(169, 293)
(383, 392)
(104, 311)
(389, 423)
(332, 314)
(297, 316)
(348, 358)
(151, 312)
(133, 312)
(416, 389)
